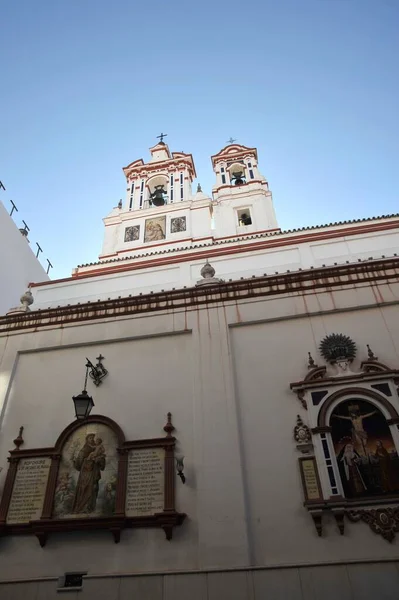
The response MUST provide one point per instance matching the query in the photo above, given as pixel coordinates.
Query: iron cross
(162, 136)
(231, 141)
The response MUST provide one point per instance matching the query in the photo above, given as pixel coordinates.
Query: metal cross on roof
(162, 136)
(230, 141)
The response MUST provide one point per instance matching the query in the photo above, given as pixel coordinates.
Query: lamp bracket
(97, 372)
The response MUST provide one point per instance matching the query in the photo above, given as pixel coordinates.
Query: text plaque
(310, 479)
(145, 482)
(29, 489)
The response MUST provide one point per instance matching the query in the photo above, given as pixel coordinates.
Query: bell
(157, 197)
(238, 179)
(245, 219)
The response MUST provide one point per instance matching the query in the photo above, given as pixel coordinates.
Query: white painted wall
(224, 373)
(18, 264)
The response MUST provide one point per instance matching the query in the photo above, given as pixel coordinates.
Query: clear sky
(87, 85)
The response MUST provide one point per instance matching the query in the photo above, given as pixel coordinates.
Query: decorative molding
(350, 391)
(339, 515)
(26, 300)
(300, 281)
(301, 398)
(19, 440)
(311, 362)
(383, 521)
(208, 276)
(178, 224)
(302, 436)
(316, 373)
(372, 366)
(317, 516)
(132, 233)
(324, 429)
(337, 347)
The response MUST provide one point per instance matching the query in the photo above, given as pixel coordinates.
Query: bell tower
(160, 211)
(241, 197)
(165, 179)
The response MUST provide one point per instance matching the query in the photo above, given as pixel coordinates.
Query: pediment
(236, 150)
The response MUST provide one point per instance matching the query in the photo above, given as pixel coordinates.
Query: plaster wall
(224, 373)
(18, 265)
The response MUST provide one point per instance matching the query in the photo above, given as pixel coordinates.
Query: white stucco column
(223, 535)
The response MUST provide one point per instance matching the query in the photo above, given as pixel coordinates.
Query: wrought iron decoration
(97, 372)
(337, 346)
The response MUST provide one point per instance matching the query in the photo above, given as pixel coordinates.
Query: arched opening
(237, 173)
(158, 190)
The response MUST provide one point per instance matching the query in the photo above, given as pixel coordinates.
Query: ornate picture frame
(37, 477)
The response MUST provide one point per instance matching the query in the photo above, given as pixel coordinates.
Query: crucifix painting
(367, 459)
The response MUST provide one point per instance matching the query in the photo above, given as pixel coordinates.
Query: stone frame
(319, 393)
(41, 528)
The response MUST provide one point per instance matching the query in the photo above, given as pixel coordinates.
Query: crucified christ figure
(359, 435)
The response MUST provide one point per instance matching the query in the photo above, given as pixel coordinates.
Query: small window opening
(131, 196)
(71, 581)
(223, 175)
(171, 189)
(142, 193)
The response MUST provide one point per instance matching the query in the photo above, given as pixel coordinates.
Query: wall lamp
(83, 402)
(180, 468)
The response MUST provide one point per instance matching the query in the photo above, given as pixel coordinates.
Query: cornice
(299, 282)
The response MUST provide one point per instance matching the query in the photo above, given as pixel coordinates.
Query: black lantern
(83, 402)
(83, 405)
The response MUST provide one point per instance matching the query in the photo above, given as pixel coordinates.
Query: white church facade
(268, 358)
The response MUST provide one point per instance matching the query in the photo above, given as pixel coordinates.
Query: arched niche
(364, 448)
(159, 179)
(237, 172)
(346, 393)
(75, 425)
(87, 475)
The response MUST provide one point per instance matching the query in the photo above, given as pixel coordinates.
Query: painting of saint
(366, 455)
(348, 464)
(155, 229)
(87, 477)
(89, 462)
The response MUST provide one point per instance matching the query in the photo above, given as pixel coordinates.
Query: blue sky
(86, 86)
